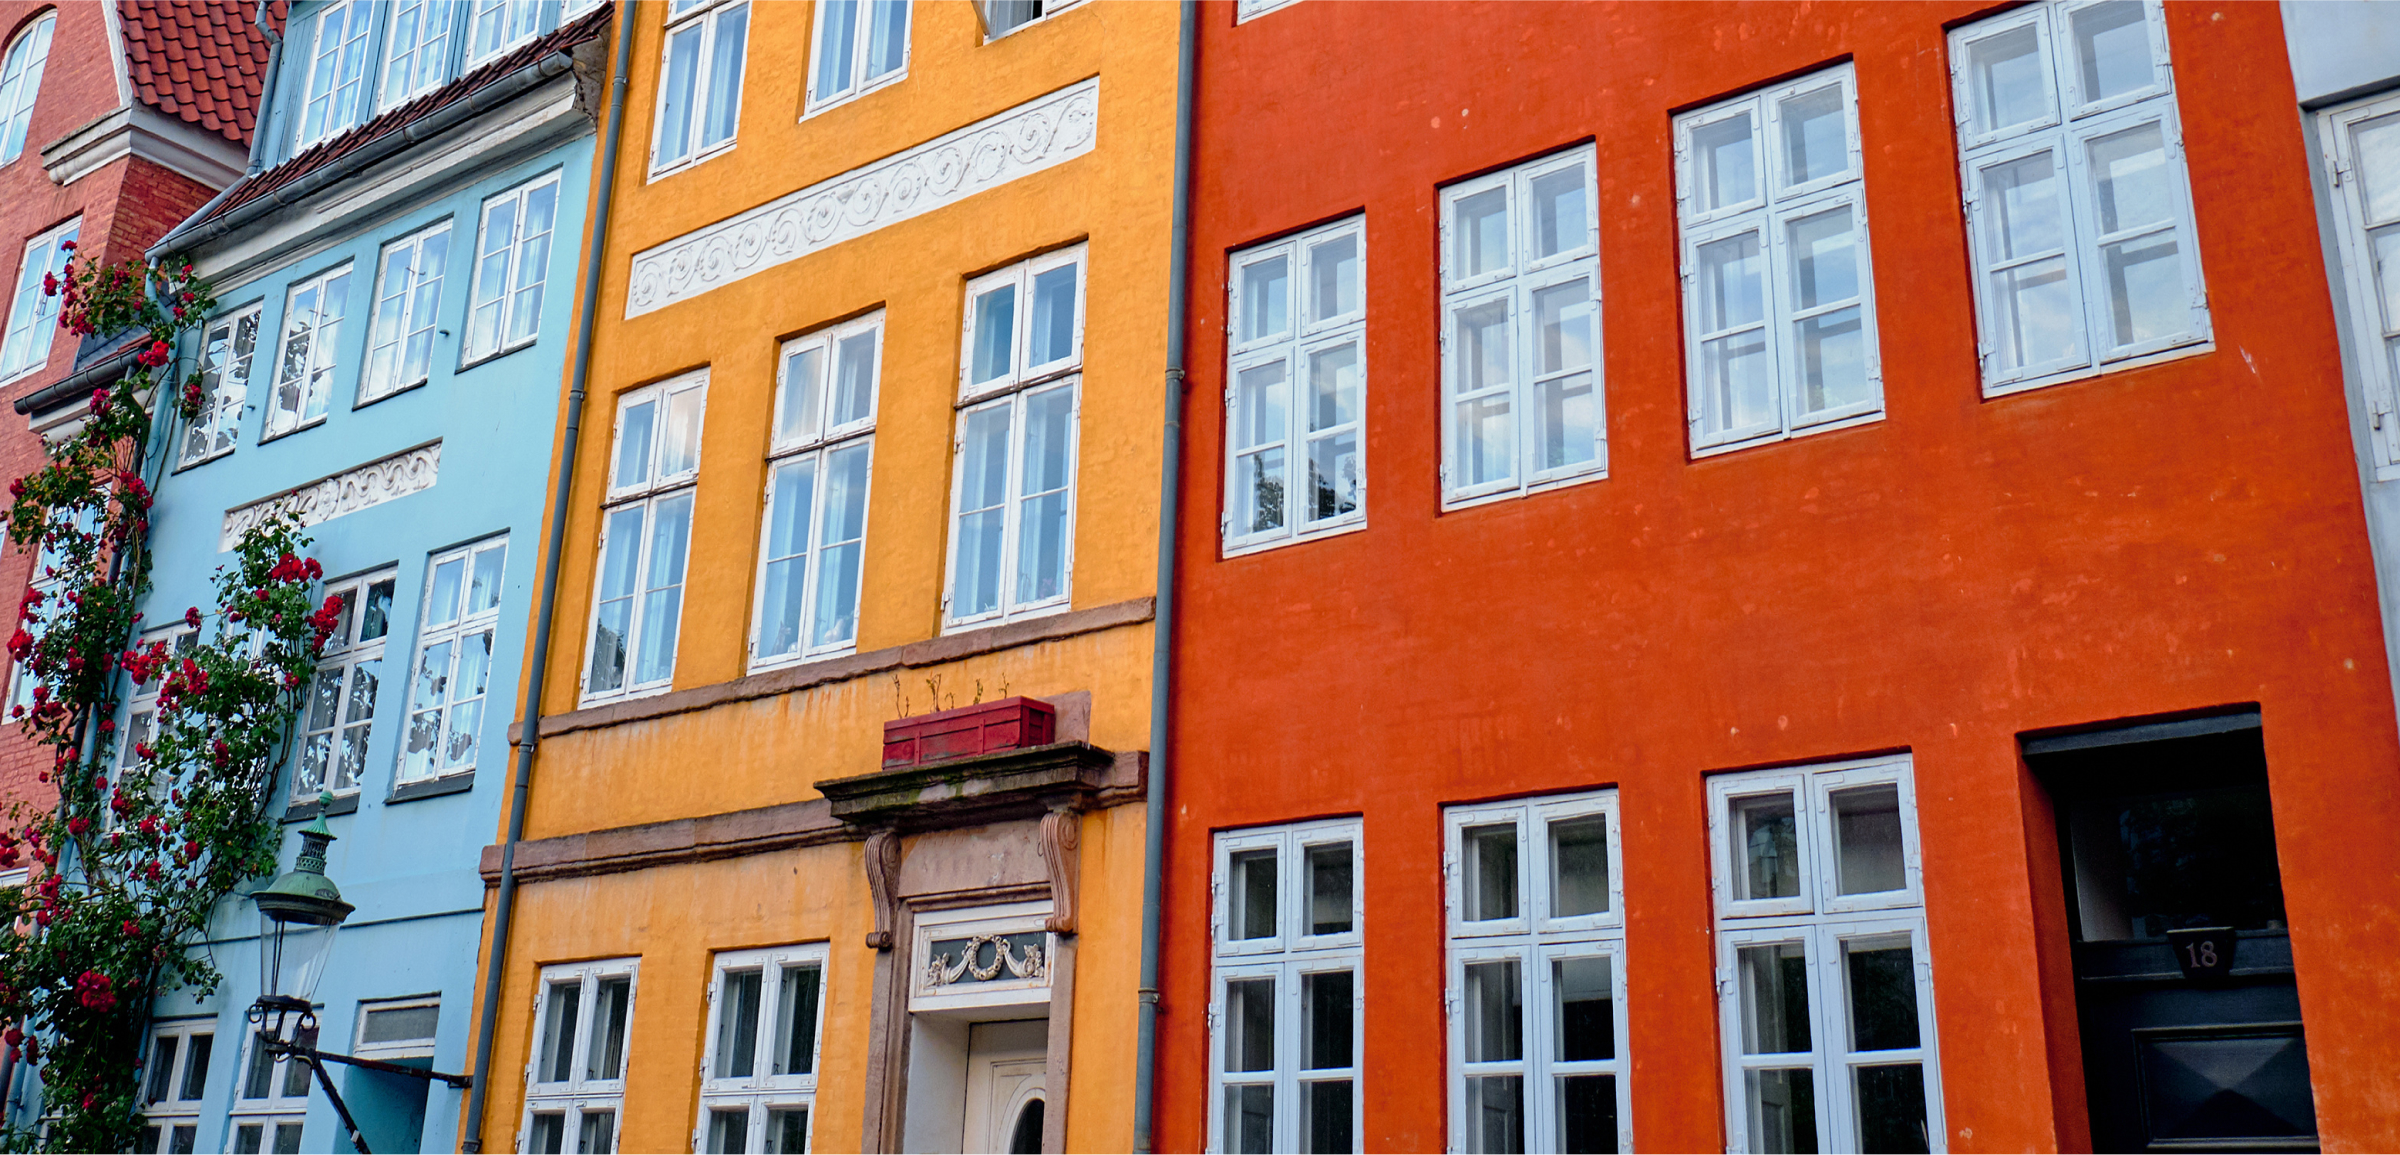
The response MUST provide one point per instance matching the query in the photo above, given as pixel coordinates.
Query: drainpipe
(505, 903)
(1162, 623)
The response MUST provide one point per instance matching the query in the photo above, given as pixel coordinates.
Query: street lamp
(298, 914)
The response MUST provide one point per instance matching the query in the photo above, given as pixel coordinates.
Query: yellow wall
(768, 751)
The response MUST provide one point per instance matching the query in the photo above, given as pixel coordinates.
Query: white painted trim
(116, 57)
(139, 130)
(363, 487)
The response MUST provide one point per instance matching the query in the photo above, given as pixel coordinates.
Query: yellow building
(872, 432)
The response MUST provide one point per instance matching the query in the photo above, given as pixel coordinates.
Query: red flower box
(985, 728)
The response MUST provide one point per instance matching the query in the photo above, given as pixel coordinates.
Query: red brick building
(117, 121)
(1860, 634)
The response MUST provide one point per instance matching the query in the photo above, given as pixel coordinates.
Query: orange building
(1770, 578)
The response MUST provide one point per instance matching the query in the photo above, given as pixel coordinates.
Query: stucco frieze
(403, 473)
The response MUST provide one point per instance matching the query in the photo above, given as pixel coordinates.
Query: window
(645, 537)
(49, 580)
(270, 1107)
(174, 1078)
(337, 70)
(33, 312)
(1294, 466)
(417, 48)
(408, 294)
(575, 1086)
(1285, 1022)
(340, 714)
(1778, 305)
(21, 82)
(312, 335)
(1521, 331)
(499, 25)
(1536, 976)
(396, 1029)
(2079, 217)
(861, 45)
(759, 1075)
(1249, 10)
(816, 511)
(1013, 497)
(454, 660)
(700, 87)
(512, 262)
(227, 352)
(1001, 17)
(2362, 143)
(1825, 991)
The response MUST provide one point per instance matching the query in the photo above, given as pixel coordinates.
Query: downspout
(1162, 624)
(504, 903)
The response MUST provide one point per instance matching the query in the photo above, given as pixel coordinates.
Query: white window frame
(1245, 11)
(337, 68)
(684, 16)
(405, 312)
(177, 1100)
(2066, 131)
(21, 83)
(509, 303)
(394, 1050)
(1822, 919)
(1770, 217)
(32, 313)
(2375, 336)
(1286, 957)
(818, 445)
(864, 14)
(278, 1107)
(761, 1094)
(1300, 339)
(1013, 388)
(578, 1095)
(648, 495)
(989, 13)
(299, 404)
(1533, 939)
(353, 659)
(228, 357)
(1515, 283)
(495, 26)
(419, 62)
(464, 623)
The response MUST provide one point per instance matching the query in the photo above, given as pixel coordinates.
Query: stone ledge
(977, 788)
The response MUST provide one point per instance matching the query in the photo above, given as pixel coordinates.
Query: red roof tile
(197, 60)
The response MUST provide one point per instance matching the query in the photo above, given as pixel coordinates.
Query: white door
(1005, 1066)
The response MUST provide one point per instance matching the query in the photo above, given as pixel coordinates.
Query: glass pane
(1484, 361)
(612, 1005)
(549, 1135)
(1587, 1109)
(2112, 47)
(400, 1025)
(441, 606)
(633, 444)
(1737, 387)
(181, 1138)
(1774, 993)
(195, 1068)
(483, 587)
(1487, 448)
(887, 50)
(1816, 136)
(1584, 1011)
(1866, 839)
(791, 492)
(1053, 336)
(1333, 387)
(287, 1139)
(597, 1134)
(1042, 520)
(2010, 85)
(1766, 848)
(1891, 1108)
(1261, 411)
(2151, 863)
(1490, 872)
(728, 1131)
(1562, 327)
(2037, 320)
(558, 1032)
(725, 74)
(1486, 439)
(796, 1021)
(799, 414)
(1325, 1110)
(1496, 1113)
(1727, 172)
(1479, 224)
(679, 450)
(1250, 897)
(1266, 298)
(246, 1138)
(995, 334)
(737, 1024)
(2378, 147)
(2386, 245)
(1250, 1119)
(1832, 350)
(1325, 1010)
(1495, 1010)
(982, 510)
(1579, 866)
(1250, 1025)
(2146, 296)
(1561, 223)
(2024, 217)
(841, 538)
(1732, 283)
(1783, 1110)
(1329, 895)
(1260, 476)
(1883, 992)
(2131, 181)
(1824, 259)
(162, 1067)
(1333, 278)
(787, 1131)
(854, 382)
(837, 39)
(662, 588)
(375, 616)
(1569, 417)
(1333, 476)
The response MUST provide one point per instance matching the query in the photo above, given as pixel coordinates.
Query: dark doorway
(2183, 965)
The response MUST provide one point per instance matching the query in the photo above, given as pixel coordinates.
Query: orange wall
(2174, 537)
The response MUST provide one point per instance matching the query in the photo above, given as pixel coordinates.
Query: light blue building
(397, 277)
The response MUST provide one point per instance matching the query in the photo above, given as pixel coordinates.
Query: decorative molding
(403, 473)
(883, 886)
(138, 130)
(1042, 132)
(1062, 853)
(1019, 954)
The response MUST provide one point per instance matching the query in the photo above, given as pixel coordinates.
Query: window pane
(549, 1134)
(725, 75)
(1325, 1000)
(2112, 47)
(1562, 327)
(662, 588)
(1325, 1116)
(1250, 1025)
(246, 1138)
(797, 413)
(1333, 480)
(483, 588)
(1766, 846)
(790, 501)
(854, 382)
(1587, 1112)
(1824, 259)
(1480, 224)
(1883, 992)
(613, 620)
(597, 1134)
(375, 616)
(1579, 867)
(679, 448)
(1333, 461)
(1490, 872)
(1486, 438)
(2037, 320)
(1053, 336)
(400, 1025)
(676, 93)
(1266, 298)
(787, 1131)
(1783, 1110)
(1584, 1016)
(1736, 371)
(2132, 184)
(195, 1068)
(1250, 897)
(2009, 84)
(1570, 419)
(1333, 269)
(1732, 283)
(1495, 1010)
(1816, 136)
(1250, 1119)
(887, 44)
(1262, 415)
(2378, 146)
(1727, 163)
(841, 542)
(983, 510)
(796, 1025)
(162, 1067)
(837, 38)
(995, 334)
(633, 444)
(532, 264)
(728, 1130)
(441, 605)
(2146, 296)
(558, 1032)
(612, 1005)
(1496, 1113)
(1042, 520)
(1774, 994)
(737, 1024)
(1891, 1108)
(1561, 223)
(1866, 836)
(2024, 217)
(1329, 893)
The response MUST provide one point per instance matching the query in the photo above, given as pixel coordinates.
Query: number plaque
(2204, 952)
